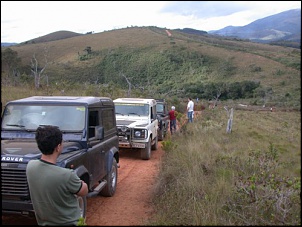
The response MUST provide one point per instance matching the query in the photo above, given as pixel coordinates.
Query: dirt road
(129, 206)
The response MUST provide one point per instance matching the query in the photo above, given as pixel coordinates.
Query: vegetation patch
(210, 177)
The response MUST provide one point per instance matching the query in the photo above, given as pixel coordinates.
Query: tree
(38, 72)
(265, 93)
(88, 50)
(10, 62)
(129, 84)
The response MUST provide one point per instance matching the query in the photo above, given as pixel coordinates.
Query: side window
(108, 119)
(93, 121)
(153, 112)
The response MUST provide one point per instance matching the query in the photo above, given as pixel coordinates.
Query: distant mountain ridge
(285, 26)
(191, 31)
(47, 38)
(8, 44)
(53, 36)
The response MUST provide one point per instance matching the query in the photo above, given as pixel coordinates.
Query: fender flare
(81, 170)
(111, 156)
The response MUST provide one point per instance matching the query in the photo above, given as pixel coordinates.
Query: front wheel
(155, 145)
(160, 135)
(146, 152)
(111, 179)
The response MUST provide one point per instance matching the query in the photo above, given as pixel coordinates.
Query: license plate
(138, 145)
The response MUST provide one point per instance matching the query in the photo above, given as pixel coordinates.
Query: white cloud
(25, 20)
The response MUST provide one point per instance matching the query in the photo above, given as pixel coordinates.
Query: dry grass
(210, 177)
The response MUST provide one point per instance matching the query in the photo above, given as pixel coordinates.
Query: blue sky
(25, 20)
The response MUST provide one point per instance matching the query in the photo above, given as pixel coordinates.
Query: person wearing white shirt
(190, 109)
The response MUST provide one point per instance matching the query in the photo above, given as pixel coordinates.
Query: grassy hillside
(249, 177)
(156, 64)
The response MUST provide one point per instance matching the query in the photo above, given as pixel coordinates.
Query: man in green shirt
(53, 189)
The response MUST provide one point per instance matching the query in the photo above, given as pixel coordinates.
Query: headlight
(137, 133)
(124, 128)
(140, 133)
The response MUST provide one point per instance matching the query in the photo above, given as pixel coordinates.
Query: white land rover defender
(137, 124)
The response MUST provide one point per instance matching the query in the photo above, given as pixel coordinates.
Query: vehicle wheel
(165, 132)
(160, 135)
(146, 152)
(82, 200)
(155, 145)
(111, 179)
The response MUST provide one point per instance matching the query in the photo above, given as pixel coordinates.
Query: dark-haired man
(53, 189)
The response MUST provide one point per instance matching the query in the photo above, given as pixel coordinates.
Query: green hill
(154, 63)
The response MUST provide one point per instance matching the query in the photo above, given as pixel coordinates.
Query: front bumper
(17, 207)
(131, 145)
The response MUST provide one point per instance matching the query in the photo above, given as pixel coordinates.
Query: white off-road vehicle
(137, 124)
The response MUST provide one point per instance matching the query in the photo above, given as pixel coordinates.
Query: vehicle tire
(82, 200)
(160, 135)
(111, 178)
(146, 152)
(165, 131)
(155, 145)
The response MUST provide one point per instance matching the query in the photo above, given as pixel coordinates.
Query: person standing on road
(172, 117)
(53, 189)
(190, 109)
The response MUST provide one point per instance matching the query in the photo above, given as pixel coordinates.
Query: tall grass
(250, 176)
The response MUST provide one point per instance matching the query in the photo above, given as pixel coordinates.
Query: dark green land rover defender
(90, 145)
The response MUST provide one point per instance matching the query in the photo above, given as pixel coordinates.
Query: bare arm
(84, 189)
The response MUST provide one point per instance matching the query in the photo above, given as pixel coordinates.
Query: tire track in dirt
(131, 204)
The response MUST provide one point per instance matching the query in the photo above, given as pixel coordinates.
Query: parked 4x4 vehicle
(137, 124)
(90, 145)
(163, 118)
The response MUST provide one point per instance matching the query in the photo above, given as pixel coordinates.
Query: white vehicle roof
(135, 100)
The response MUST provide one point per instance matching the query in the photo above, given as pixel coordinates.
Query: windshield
(132, 109)
(31, 117)
(159, 107)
